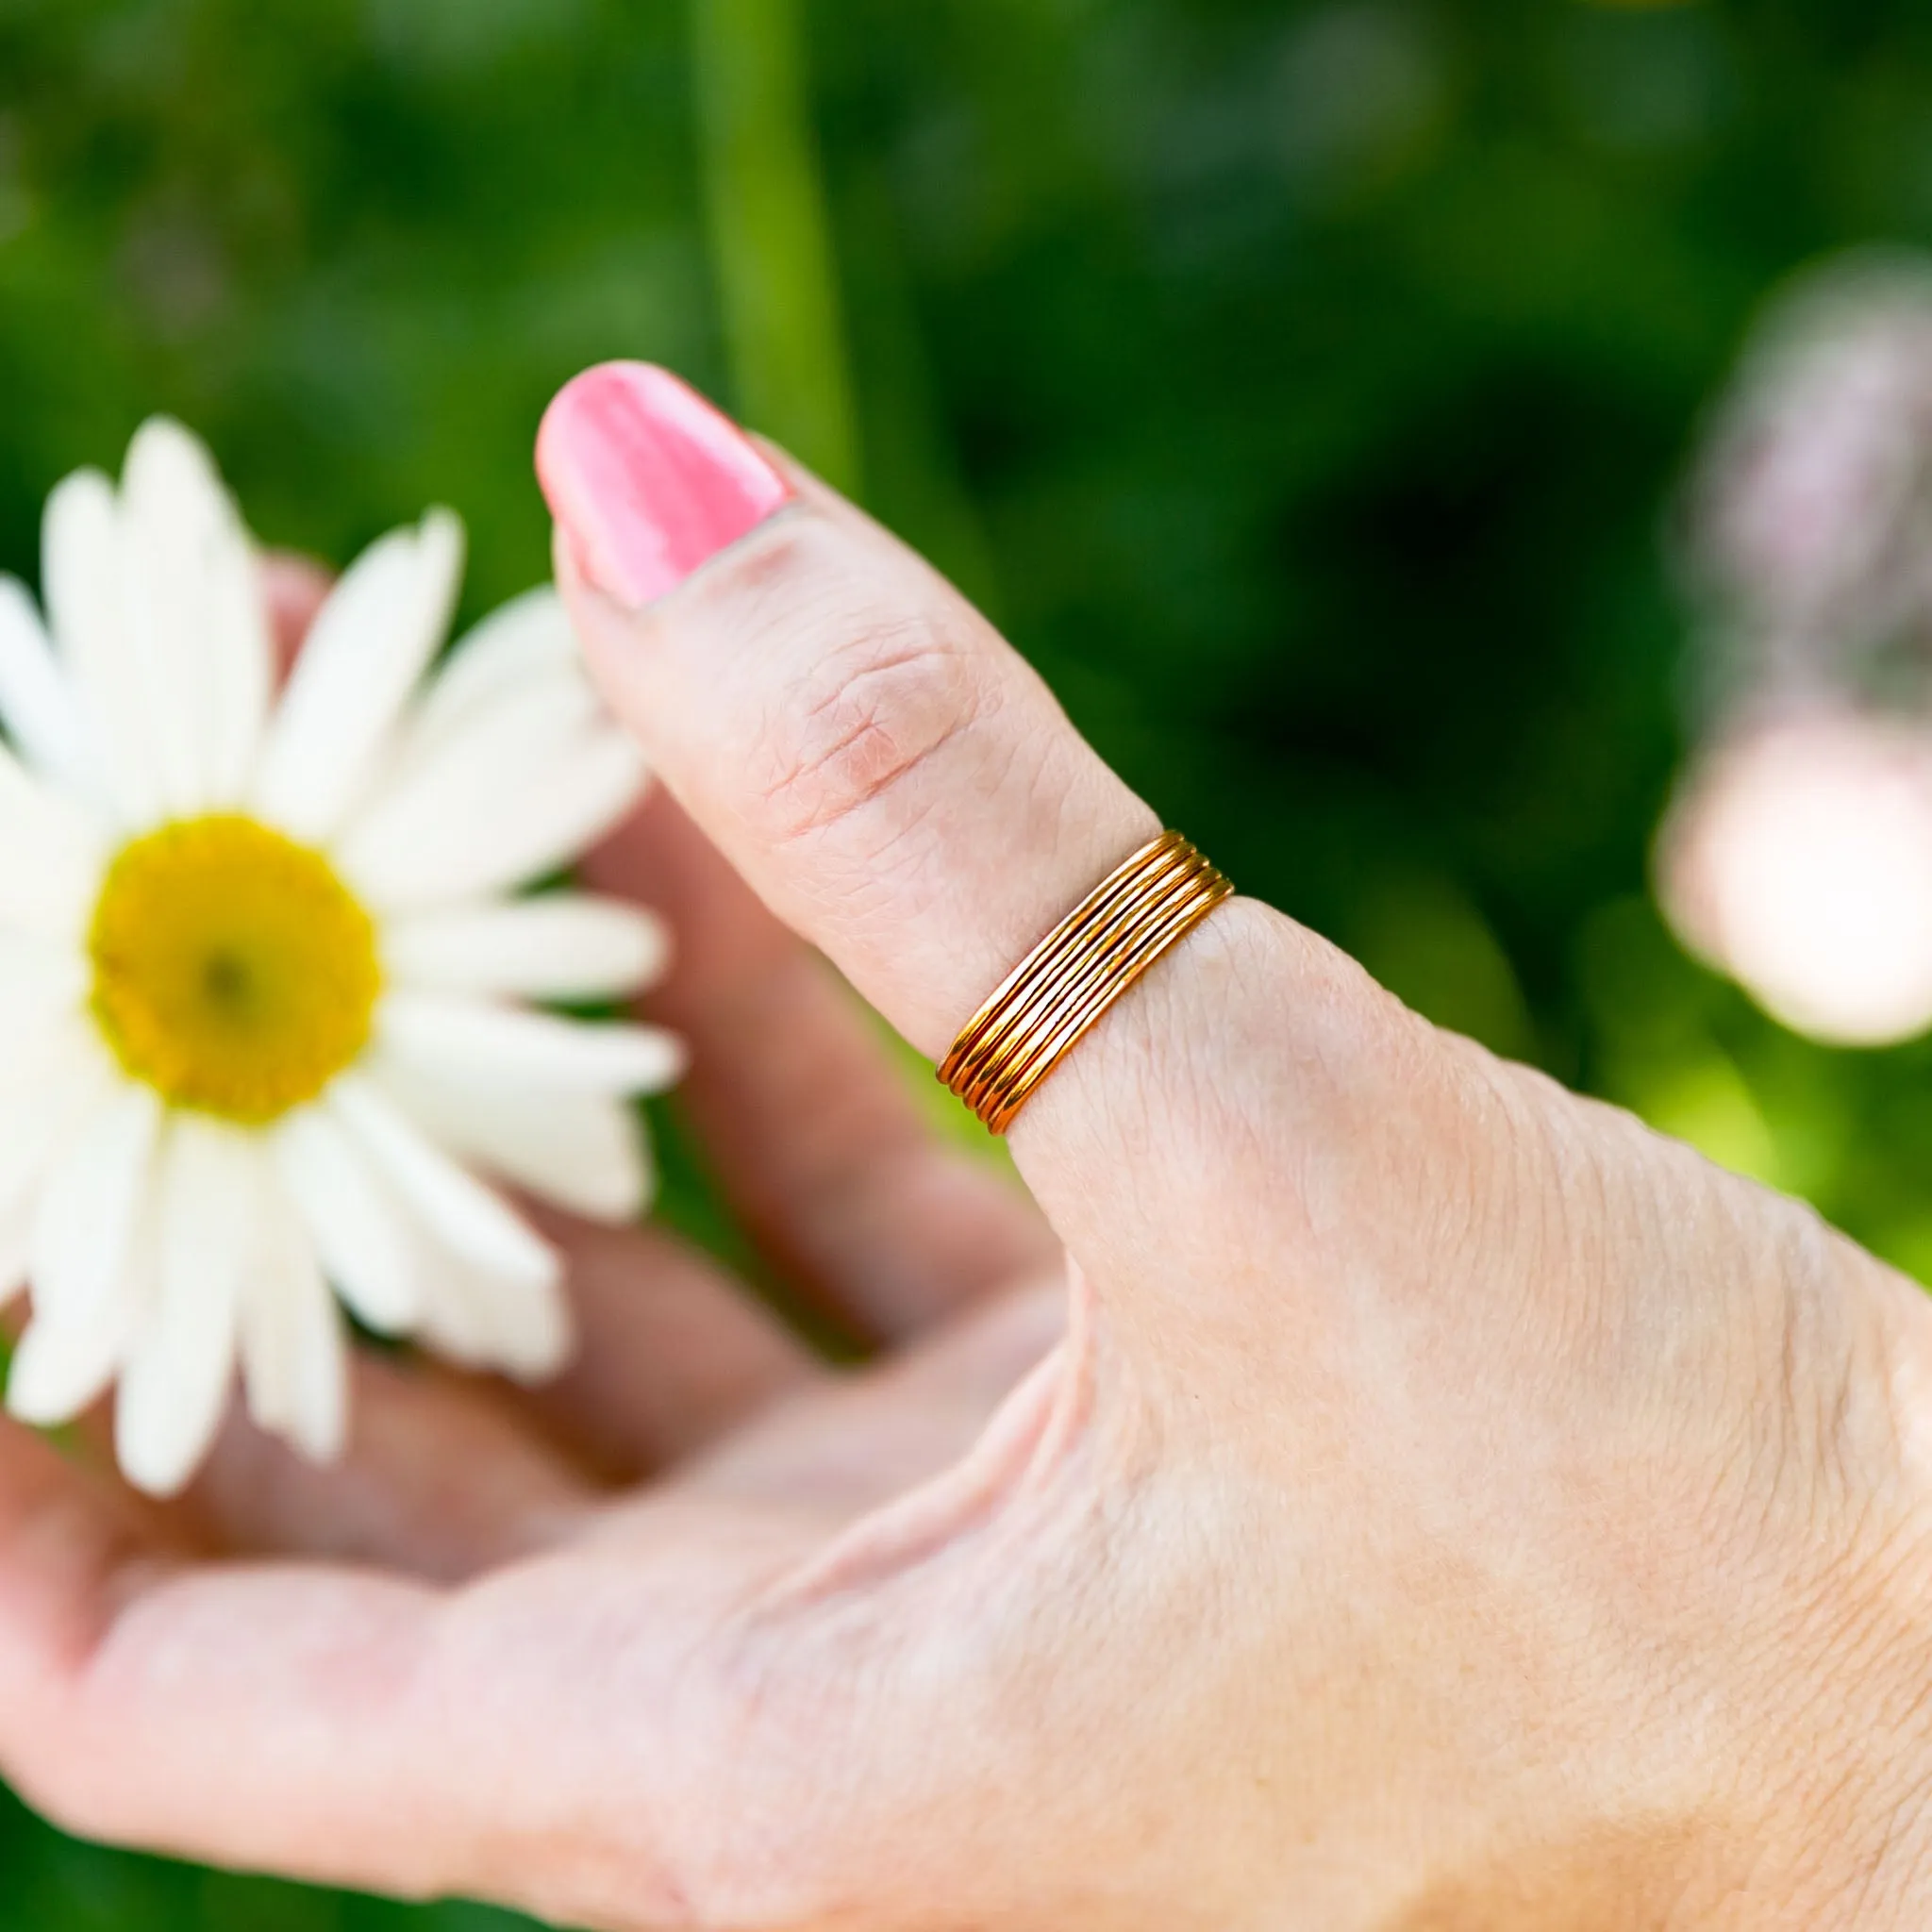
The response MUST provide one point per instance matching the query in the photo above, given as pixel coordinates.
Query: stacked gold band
(1140, 910)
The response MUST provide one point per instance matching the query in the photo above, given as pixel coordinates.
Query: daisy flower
(265, 1037)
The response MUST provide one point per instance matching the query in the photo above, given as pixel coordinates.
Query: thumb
(900, 787)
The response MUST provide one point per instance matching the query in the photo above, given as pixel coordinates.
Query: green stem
(770, 235)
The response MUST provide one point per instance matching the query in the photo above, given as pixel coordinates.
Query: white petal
(465, 1214)
(81, 577)
(294, 1355)
(93, 1202)
(459, 832)
(197, 617)
(62, 1368)
(51, 857)
(487, 1321)
(361, 1238)
(56, 1083)
(40, 971)
(519, 646)
(210, 1182)
(367, 649)
(522, 730)
(454, 1322)
(164, 488)
(472, 1039)
(513, 746)
(42, 983)
(35, 699)
(561, 945)
(192, 561)
(585, 1152)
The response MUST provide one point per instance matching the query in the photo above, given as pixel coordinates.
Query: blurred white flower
(263, 1019)
(1798, 859)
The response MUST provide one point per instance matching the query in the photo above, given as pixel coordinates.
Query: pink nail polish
(647, 479)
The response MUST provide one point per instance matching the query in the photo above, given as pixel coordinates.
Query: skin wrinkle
(1541, 1173)
(1138, 1098)
(1088, 1566)
(1856, 1606)
(999, 754)
(879, 729)
(958, 1503)
(859, 1628)
(1820, 1402)
(1596, 1328)
(1880, 1886)
(618, 1825)
(885, 880)
(1814, 1373)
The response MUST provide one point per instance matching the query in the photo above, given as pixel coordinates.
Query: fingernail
(647, 479)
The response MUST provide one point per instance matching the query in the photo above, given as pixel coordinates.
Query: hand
(1436, 1502)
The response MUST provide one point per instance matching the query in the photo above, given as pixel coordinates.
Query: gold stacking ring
(1147, 904)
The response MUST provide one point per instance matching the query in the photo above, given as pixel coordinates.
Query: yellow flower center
(233, 971)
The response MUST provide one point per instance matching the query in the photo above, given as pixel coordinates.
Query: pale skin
(1436, 1502)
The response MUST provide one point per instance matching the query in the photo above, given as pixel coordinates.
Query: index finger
(347, 1727)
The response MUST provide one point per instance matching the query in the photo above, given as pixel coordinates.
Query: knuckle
(868, 719)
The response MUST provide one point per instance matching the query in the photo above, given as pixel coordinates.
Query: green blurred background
(1304, 386)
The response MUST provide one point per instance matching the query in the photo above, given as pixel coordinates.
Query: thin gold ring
(1141, 909)
(1054, 976)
